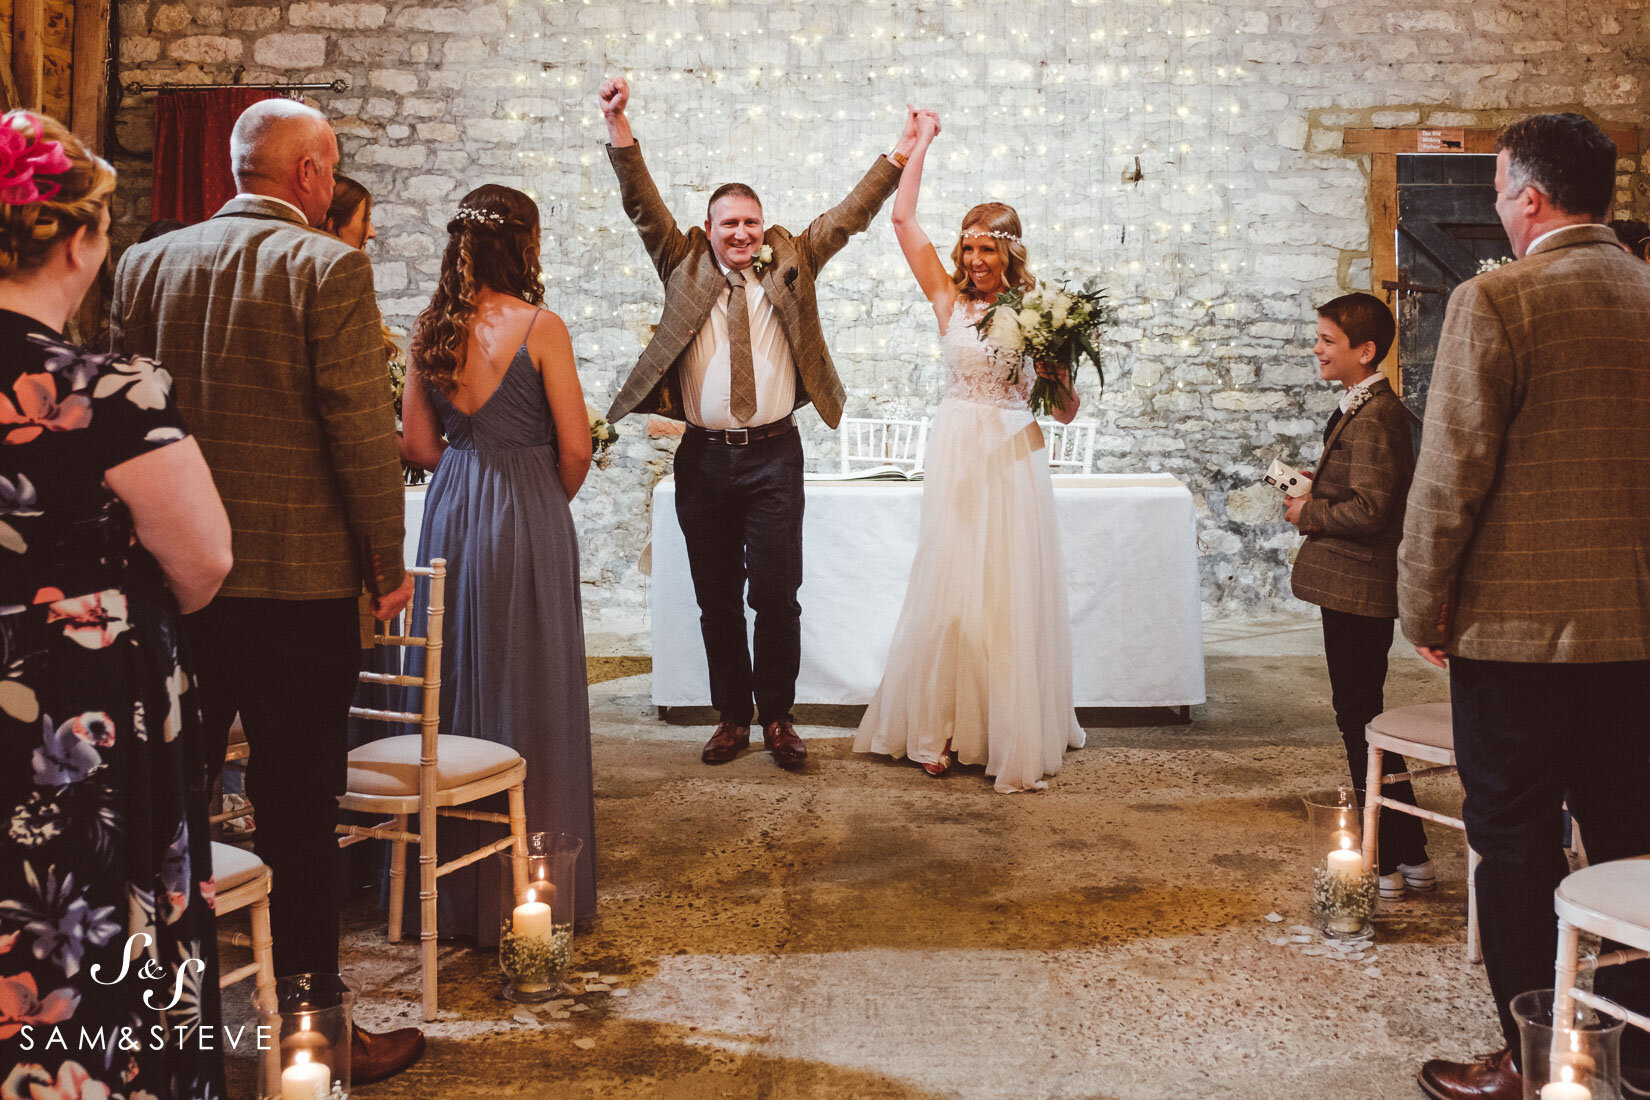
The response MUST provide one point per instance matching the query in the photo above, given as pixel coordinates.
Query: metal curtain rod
(339, 85)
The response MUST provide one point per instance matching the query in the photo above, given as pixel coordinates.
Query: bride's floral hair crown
(1013, 238)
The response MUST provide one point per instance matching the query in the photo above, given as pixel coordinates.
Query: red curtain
(192, 178)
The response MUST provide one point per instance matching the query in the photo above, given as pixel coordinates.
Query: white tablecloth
(1130, 547)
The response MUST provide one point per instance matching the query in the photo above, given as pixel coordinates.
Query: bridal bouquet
(1051, 326)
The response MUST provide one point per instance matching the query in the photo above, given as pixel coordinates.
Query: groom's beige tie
(742, 388)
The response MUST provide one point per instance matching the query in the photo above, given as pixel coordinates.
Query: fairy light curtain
(1049, 105)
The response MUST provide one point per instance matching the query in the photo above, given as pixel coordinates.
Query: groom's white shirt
(707, 377)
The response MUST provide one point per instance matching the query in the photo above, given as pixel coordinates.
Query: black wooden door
(1446, 228)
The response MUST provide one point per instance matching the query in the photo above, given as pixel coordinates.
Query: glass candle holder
(1578, 1058)
(1343, 893)
(307, 1057)
(535, 939)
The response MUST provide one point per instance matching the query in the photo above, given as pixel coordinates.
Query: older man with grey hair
(272, 333)
(1522, 567)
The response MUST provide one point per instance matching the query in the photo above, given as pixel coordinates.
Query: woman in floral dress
(108, 523)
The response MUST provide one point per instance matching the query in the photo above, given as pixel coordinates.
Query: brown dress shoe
(1488, 1077)
(726, 743)
(373, 1057)
(780, 739)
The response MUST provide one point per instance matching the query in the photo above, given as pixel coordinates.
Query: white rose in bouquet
(1062, 307)
(1005, 330)
(1030, 319)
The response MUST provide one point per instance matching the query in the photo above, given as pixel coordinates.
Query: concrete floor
(862, 930)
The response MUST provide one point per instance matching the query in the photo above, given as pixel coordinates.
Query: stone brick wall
(1188, 152)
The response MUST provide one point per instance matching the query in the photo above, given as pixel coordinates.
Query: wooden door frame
(1382, 147)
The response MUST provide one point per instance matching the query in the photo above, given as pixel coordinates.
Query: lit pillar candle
(531, 919)
(305, 1080)
(1565, 1090)
(1346, 860)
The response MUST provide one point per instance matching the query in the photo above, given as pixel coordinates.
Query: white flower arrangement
(1486, 266)
(763, 257)
(1052, 326)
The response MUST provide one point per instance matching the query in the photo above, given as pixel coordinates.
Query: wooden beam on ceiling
(28, 51)
(91, 72)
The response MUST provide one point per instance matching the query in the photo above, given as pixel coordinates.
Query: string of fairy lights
(1117, 128)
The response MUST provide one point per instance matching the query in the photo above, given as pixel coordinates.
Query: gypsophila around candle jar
(535, 939)
(1343, 892)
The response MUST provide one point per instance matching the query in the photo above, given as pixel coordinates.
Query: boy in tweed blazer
(1348, 566)
(1524, 566)
(739, 346)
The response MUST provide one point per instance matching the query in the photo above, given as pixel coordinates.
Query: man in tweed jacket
(1348, 566)
(272, 333)
(1524, 562)
(738, 348)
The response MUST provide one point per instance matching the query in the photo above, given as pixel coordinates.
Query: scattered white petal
(611, 979)
(562, 1015)
(525, 1018)
(596, 987)
(580, 1008)
(1315, 951)
(621, 993)
(1300, 939)
(1275, 941)
(1274, 918)
(1303, 930)
(592, 976)
(585, 1044)
(1373, 971)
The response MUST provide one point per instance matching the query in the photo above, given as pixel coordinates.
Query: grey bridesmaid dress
(513, 668)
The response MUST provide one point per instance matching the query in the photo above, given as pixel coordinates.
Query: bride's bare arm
(919, 250)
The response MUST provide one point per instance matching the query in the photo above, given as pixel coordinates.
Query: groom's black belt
(739, 437)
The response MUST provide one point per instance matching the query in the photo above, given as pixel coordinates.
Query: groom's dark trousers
(740, 508)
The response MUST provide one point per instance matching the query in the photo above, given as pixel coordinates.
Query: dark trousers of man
(1356, 647)
(288, 667)
(1528, 737)
(740, 508)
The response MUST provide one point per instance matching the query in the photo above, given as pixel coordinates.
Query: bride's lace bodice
(974, 371)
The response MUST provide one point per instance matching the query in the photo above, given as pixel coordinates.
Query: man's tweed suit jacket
(272, 333)
(693, 281)
(1528, 534)
(1355, 518)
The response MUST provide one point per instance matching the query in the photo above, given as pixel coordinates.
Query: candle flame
(1567, 1075)
(300, 1058)
(303, 1022)
(531, 897)
(1346, 843)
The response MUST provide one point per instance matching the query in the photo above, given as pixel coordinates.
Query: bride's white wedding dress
(981, 655)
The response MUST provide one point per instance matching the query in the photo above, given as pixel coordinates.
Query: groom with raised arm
(739, 347)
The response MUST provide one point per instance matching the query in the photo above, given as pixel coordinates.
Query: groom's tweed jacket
(1528, 534)
(693, 281)
(272, 333)
(1352, 524)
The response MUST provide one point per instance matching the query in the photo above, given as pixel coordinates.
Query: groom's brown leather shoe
(1488, 1077)
(374, 1056)
(726, 743)
(780, 739)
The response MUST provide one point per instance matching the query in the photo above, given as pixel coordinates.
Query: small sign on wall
(1441, 141)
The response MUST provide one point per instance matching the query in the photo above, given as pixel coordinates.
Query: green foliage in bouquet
(1052, 326)
(396, 358)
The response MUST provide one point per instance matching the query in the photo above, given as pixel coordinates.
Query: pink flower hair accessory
(23, 156)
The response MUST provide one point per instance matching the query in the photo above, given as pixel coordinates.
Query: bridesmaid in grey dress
(493, 405)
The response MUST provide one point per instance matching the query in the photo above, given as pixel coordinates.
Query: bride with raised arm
(980, 664)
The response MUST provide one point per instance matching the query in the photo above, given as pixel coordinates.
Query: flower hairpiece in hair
(471, 214)
(23, 156)
(997, 233)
